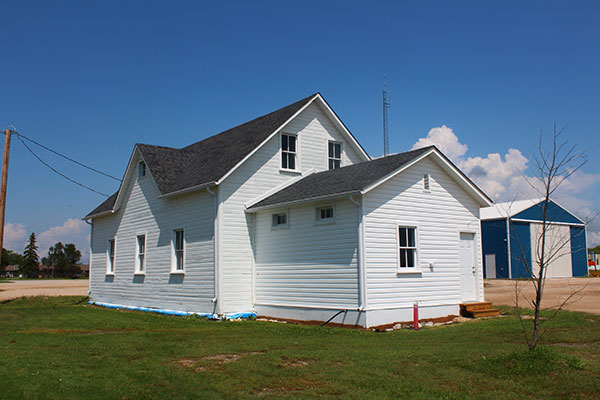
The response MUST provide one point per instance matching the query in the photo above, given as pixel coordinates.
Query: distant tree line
(63, 260)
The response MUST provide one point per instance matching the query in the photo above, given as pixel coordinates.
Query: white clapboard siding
(308, 264)
(144, 212)
(255, 177)
(440, 215)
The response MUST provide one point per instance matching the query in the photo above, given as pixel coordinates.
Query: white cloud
(445, 140)
(15, 237)
(72, 231)
(505, 177)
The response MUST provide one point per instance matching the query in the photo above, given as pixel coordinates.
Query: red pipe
(416, 315)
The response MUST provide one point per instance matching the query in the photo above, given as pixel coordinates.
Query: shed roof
(530, 210)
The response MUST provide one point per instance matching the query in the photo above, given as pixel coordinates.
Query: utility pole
(3, 189)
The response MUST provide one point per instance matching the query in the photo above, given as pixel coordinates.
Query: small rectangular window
(335, 155)
(426, 182)
(111, 257)
(178, 250)
(141, 169)
(407, 247)
(279, 219)
(140, 264)
(325, 214)
(288, 151)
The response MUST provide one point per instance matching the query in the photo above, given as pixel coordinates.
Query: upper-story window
(426, 182)
(141, 169)
(335, 155)
(288, 151)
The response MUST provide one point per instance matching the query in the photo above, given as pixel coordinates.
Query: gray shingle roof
(345, 180)
(210, 159)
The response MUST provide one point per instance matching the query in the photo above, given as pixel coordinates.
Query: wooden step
(482, 305)
(490, 312)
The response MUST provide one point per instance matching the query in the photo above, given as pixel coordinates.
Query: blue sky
(93, 78)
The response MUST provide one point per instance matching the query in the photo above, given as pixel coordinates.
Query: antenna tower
(386, 105)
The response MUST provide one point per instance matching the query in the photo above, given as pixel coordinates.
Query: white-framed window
(407, 248)
(325, 214)
(426, 182)
(141, 169)
(335, 155)
(110, 256)
(279, 220)
(140, 259)
(288, 151)
(178, 246)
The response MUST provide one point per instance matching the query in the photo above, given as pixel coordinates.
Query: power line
(65, 157)
(58, 172)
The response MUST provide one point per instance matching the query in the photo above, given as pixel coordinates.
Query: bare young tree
(553, 164)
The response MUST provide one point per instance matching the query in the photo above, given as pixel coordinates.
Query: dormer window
(288, 151)
(141, 169)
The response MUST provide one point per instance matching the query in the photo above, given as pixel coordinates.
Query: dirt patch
(556, 291)
(296, 364)
(216, 359)
(44, 287)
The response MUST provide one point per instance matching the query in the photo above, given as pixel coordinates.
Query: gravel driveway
(43, 287)
(502, 292)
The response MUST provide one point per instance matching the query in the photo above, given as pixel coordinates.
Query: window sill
(141, 273)
(177, 272)
(291, 171)
(110, 274)
(409, 271)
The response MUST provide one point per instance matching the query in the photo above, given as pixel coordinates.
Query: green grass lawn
(63, 348)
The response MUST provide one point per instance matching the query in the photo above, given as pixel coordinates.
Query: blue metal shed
(507, 232)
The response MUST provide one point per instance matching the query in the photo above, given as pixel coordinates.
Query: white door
(468, 269)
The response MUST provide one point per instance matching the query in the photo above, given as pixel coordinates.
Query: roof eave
(332, 196)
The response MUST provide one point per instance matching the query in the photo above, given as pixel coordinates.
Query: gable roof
(352, 179)
(531, 210)
(210, 160)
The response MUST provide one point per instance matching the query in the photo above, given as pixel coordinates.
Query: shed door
(468, 268)
(558, 245)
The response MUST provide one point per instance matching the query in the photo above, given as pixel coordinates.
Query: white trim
(345, 130)
(478, 268)
(109, 270)
(341, 159)
(174, 269)
(479, 193)
(547, 222)
(296, 153)
(275, 227)
(417, 260)
(362, 285)
(125, 179)
(325, 221)
(137, 269)
(361, 151)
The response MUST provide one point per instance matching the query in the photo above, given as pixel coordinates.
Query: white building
(288, 217)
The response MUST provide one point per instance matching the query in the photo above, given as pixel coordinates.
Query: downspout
(360, 256)
(215, 245)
